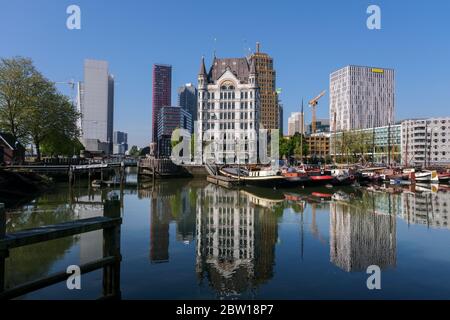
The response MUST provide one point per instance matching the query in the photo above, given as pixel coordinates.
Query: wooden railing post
(111, 247)
(3, 251)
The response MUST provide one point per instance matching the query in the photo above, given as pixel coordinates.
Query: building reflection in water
(87, 206)
(426, 207)
(363, 232)
(170, 202)
(160, 217)
(235, 241)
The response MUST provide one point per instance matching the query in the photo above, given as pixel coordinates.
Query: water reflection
(361, 238)
(235, 247)
(28, 263)
(426, 207)
(233, 236)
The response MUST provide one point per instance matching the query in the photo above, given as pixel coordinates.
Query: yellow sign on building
(375, 70)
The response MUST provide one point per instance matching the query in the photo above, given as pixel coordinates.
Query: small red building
(11, 151)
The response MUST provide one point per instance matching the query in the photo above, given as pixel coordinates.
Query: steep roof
(240, 67)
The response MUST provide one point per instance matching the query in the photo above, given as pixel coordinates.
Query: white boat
(262, 177)
(427, 176)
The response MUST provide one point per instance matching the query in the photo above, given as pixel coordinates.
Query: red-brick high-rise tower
(162, 93)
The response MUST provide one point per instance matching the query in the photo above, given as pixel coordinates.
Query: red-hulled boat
(294, 177)
(444, 177)
(319, 178)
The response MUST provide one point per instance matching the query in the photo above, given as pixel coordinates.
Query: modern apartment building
(266, 79)
(361, 98)
(120, 142)
(383, 143)
(96, 105)
(318, 145)
(426, 141)
(162, 93)
(187, 99)
(296, 123)
(228, 111)
(169, 119)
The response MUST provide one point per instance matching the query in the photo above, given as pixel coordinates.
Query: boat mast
(335, 138)
(426, 145)
(301, 133)
(389, 145)
(407, 145)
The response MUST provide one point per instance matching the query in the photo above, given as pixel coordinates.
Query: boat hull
(320, 180)
(263, 181)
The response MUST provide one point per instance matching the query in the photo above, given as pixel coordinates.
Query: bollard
(2, 221)
(3, 253)
(111, 247)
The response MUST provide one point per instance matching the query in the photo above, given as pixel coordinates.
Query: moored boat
(295, 178)
(319, 178)
(342, 177)
(427, 176)
(258, 177)
(444, 177)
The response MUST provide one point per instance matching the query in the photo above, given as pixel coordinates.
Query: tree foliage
(32, 110)
(292, 147)
(353, 146)
(134, 151)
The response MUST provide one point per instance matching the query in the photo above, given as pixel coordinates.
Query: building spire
(252, 66)
(202, 67)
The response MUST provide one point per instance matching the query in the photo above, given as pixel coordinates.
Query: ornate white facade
(228, 112)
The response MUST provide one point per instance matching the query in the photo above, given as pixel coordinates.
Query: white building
(361, 98)
(296, 123)
(426, 141)
(228, 111)
(96, 105)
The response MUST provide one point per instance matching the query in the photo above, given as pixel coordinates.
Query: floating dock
(224, 181)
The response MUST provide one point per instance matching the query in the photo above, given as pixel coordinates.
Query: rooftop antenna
(215, 48)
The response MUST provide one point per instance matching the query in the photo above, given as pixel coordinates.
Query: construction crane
(71, 83)
(313, 104)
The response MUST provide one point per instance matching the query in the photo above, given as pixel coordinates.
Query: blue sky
(308, 40)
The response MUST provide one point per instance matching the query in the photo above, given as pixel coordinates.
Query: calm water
(187, 239)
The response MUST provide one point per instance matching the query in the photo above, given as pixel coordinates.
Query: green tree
(50, 117)
(63, 136)
(31, 109)
(134, 151)
(16, 79)
(291, 146)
